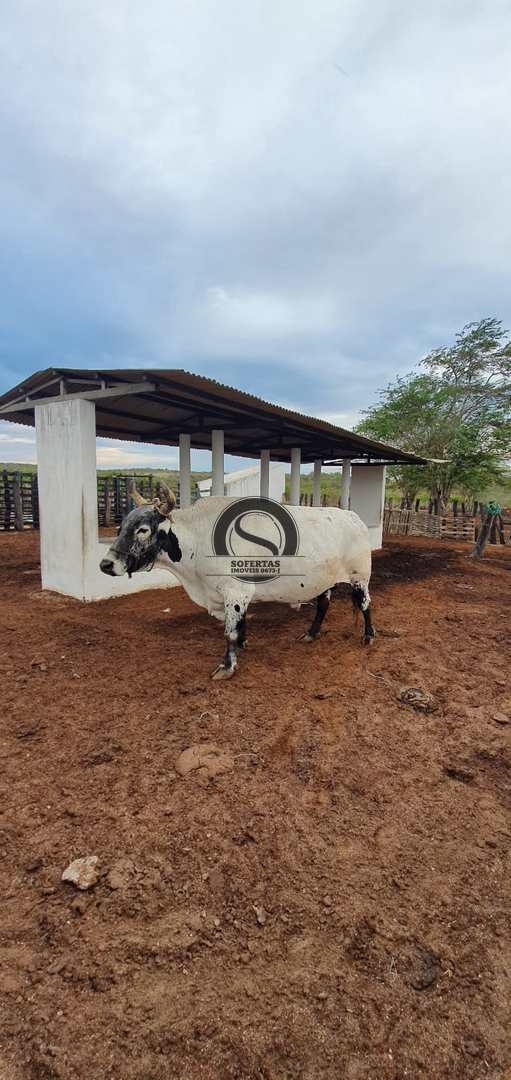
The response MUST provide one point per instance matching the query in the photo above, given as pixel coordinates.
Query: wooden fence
(19, 509)
(402, 522)
(19, 503)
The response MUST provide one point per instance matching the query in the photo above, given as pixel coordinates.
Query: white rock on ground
(84, 873)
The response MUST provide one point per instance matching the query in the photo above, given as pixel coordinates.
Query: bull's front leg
(235, 606)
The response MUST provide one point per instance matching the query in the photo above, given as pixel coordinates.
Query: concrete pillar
(217, 463)
(264, 476)
(368, 498)
(185, 497)
(316, 483)
(68, 504)
(346, 483)
(294, 487)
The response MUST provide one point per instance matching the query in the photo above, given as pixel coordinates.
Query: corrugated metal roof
(178, 401)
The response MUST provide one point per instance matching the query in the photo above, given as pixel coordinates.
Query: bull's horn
(167, 499)
(138, 499)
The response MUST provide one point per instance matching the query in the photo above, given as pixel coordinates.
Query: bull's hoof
(369, 639)
(243, 645)
(221, 672)
(309, 637)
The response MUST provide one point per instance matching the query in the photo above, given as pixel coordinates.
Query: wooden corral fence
(113, 499)
(399, 521)
(19, 503)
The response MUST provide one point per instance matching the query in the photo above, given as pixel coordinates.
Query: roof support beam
(316, 483)
(264, 474)
(294, 487)
(81, 395)
(217, 462)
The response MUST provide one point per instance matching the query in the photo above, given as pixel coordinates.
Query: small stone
(327, 900)
(207, 758)
(83, 873)
(501, 718)
(418, 699)
(216, 921)
(245, 957)
(260, 915)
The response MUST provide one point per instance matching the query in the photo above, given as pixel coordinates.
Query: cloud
(123, 456)
(299, 200)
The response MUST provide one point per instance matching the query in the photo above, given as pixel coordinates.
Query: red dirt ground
(373, 840)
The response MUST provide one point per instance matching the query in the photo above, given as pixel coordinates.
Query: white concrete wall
(70, 547)
(246, 482)
(66, 457)
(367, 498)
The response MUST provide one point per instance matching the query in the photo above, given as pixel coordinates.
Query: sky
(300, 200)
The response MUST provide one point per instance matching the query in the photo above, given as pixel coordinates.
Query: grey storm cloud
(299, 200)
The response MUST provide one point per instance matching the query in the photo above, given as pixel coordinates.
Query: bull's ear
(167, 499)
(138, 499)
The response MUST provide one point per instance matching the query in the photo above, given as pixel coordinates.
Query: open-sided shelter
(69, 407)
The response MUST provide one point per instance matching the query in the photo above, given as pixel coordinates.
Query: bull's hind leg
(242, 632)
(322, 606)
(362, 602)
(235, 635)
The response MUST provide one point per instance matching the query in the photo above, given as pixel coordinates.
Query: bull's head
(144, 534)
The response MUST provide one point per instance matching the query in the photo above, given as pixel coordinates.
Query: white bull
(325, 546)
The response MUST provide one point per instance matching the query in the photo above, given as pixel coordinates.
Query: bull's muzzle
(107, 566)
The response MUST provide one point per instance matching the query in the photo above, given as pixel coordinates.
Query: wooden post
(417, 505)
(35, 502)
(482, 536)
(128, 483)
(108, 506)
(7, 500)
(18, 502)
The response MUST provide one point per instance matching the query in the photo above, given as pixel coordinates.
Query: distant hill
(170, 476)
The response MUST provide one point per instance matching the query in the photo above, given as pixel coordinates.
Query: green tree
(455, 410)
